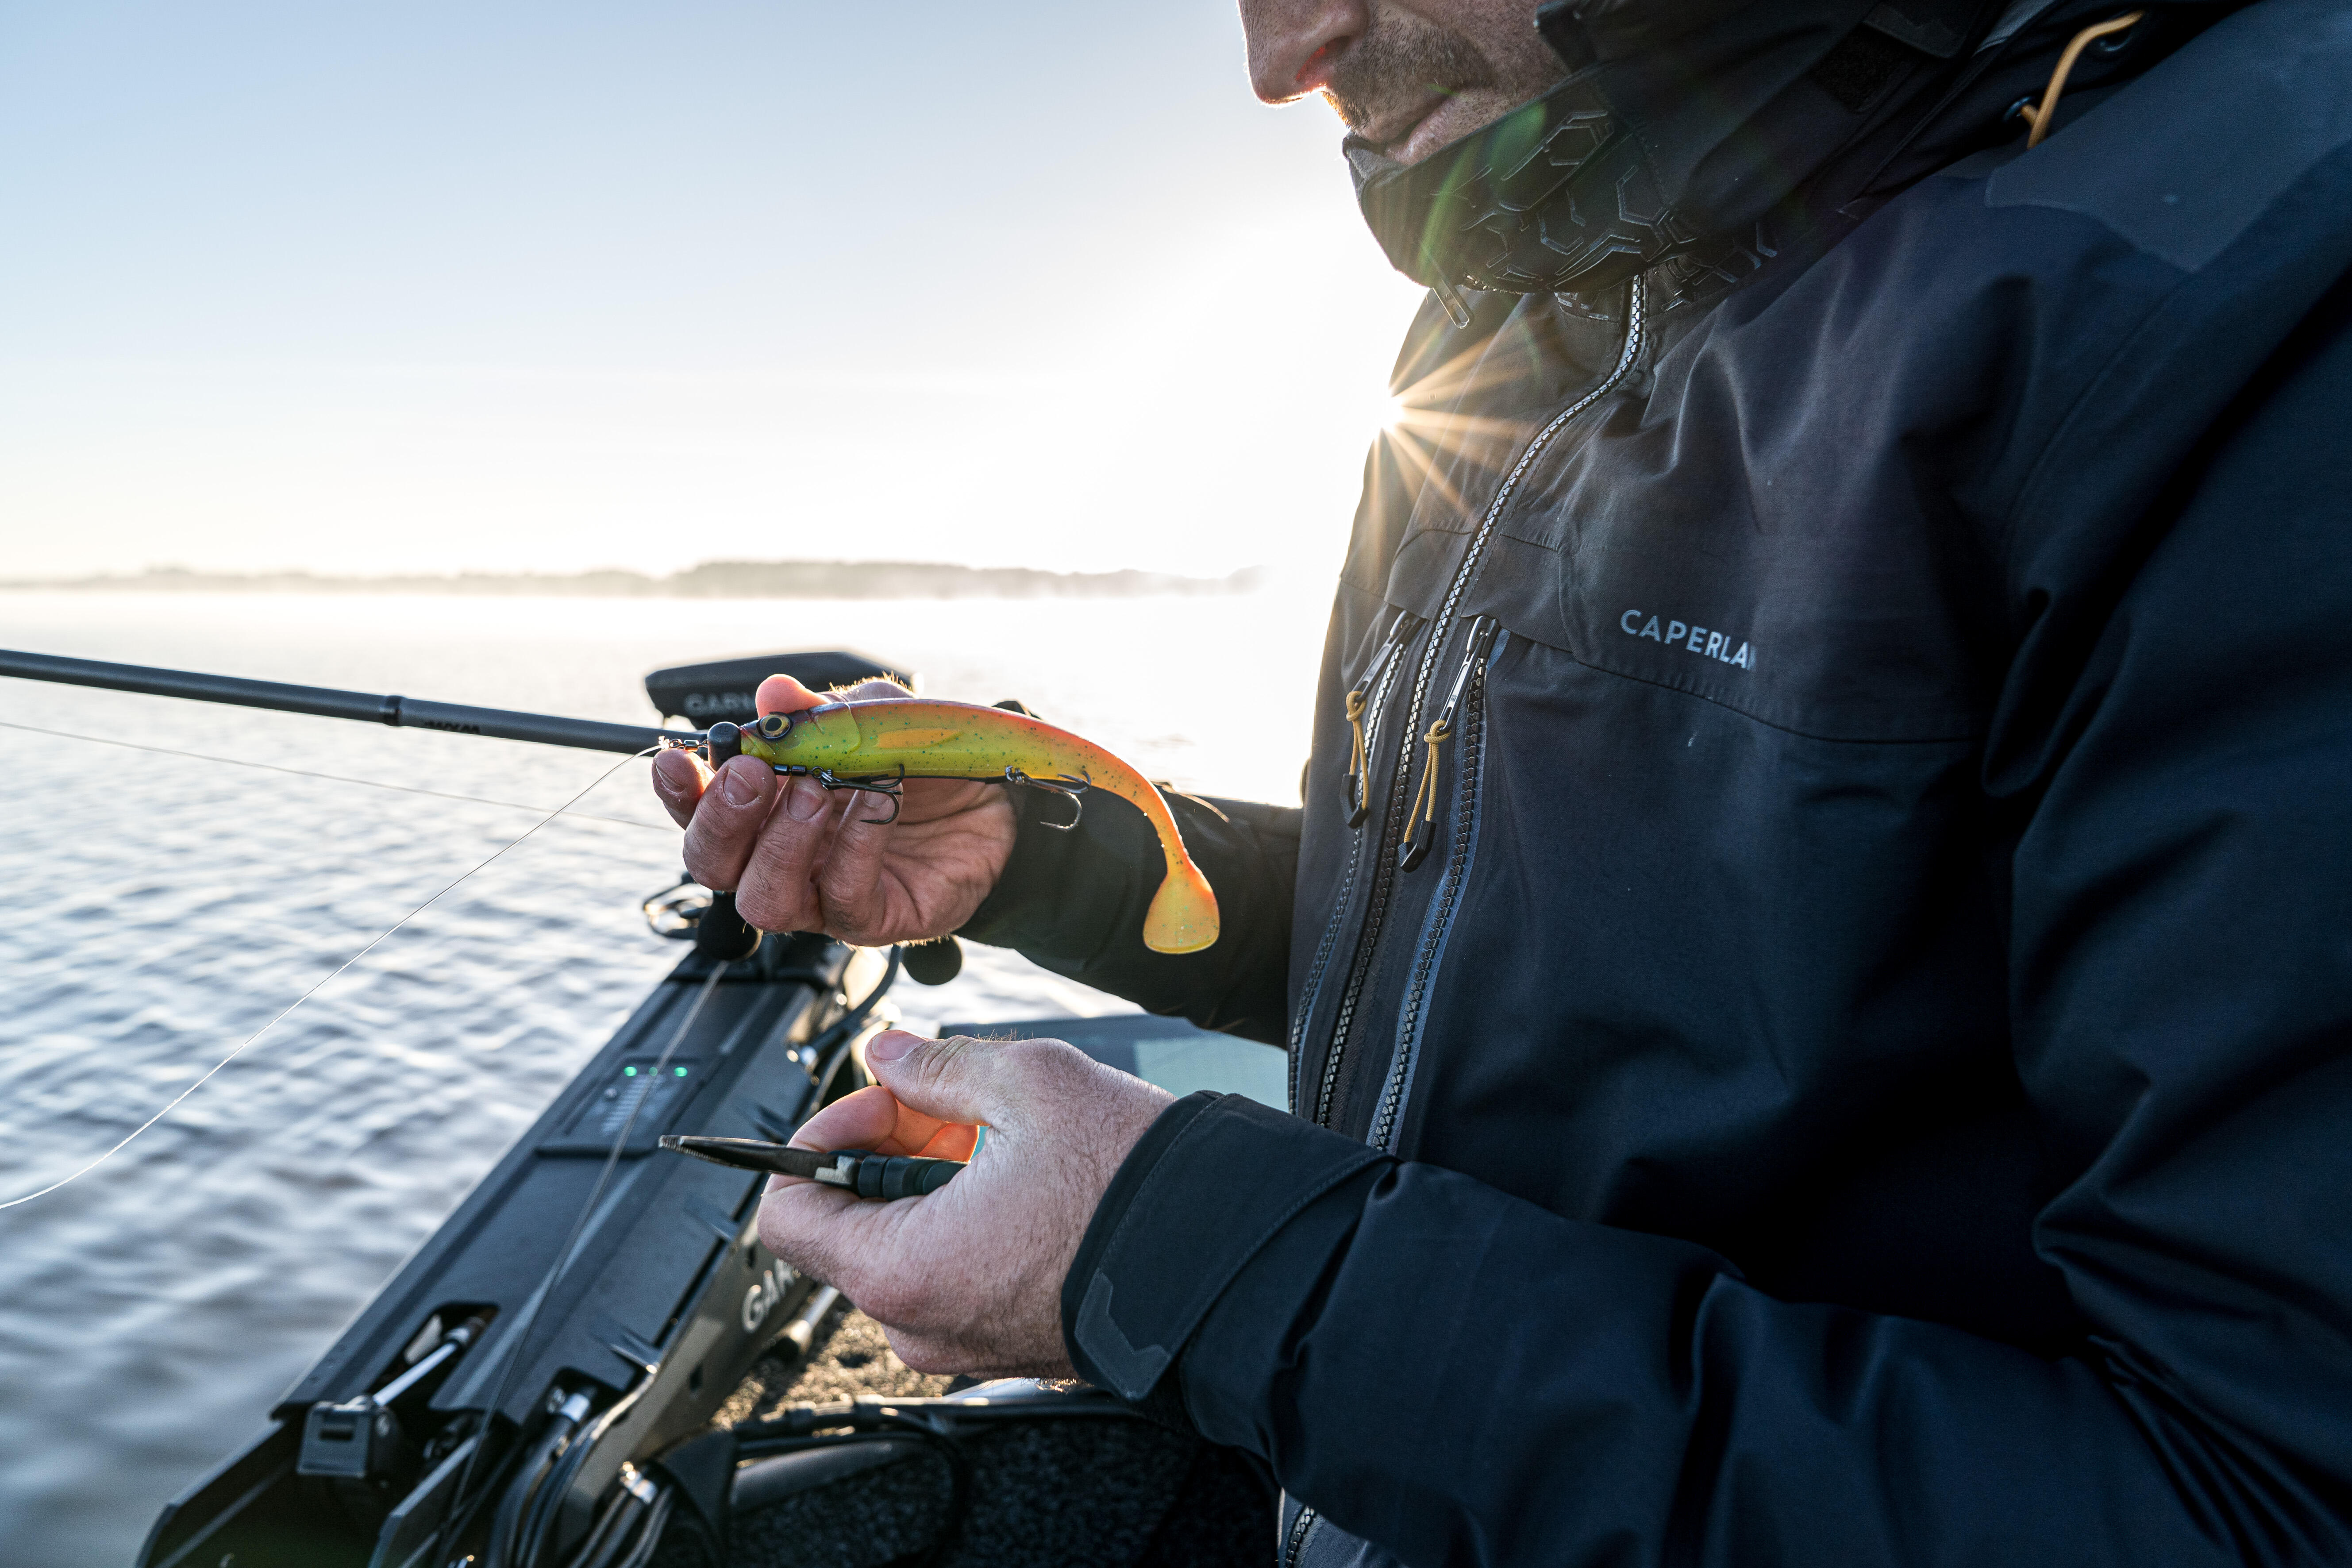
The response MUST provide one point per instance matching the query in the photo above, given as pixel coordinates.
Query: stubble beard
(1403, 57)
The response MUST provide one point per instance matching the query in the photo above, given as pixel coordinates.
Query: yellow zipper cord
(1425, 799)
(1355, 721)
(2044, 115)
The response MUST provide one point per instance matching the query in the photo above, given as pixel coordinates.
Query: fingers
(725, 822)
(865, 1120)
(873, 1118)
(875, 691)
(1001, 1083)
(831, 1234)
(958, 1080)
(968, 1278)
(774, 890)
(679, 778)
(849, 879)
(784, 694)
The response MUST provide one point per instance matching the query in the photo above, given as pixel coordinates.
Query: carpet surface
(1044, 1493)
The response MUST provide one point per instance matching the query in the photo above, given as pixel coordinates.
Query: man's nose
(1293, 43)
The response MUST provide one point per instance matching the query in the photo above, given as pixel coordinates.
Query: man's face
(1409, 76)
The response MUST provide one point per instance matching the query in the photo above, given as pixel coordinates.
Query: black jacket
(1864, 1072)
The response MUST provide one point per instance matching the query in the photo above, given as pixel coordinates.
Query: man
(1817, 961)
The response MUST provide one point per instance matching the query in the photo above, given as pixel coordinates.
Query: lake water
(154, 910)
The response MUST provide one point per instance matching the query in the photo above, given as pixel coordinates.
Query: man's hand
(801, 858)
(969, 1278)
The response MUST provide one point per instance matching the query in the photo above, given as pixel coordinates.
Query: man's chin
(1457, 117)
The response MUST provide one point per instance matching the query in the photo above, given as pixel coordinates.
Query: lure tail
(1184, 913)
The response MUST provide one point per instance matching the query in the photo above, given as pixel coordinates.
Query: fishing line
(321, 985)
(309, 774)
(564, 1254)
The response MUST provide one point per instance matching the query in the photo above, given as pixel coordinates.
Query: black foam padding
(1045, 1492)
(703, 1466)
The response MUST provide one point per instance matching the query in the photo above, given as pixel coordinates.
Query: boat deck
(1044, 1492)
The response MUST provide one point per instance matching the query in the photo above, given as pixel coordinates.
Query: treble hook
(895, 789)
(1065, 786)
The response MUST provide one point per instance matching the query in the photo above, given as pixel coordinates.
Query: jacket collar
(1680, 127)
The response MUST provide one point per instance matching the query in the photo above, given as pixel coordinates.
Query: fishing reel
(686, 912)
(711, 921)
(683, 911)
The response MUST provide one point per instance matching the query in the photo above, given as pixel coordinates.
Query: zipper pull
(1415, 847)
(1358, 700)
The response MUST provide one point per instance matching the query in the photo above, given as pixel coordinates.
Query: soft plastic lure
(872, 745)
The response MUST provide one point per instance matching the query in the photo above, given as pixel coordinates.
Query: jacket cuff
(1074, 902)
(1215, 1178)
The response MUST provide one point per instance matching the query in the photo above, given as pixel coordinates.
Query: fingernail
(891, 1044)
(803, 800)
(665, 784)
(743, 785)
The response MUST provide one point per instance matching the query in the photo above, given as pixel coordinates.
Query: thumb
(782, 694)
(959, 1080)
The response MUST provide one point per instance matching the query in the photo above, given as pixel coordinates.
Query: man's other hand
(799, 857)
(968, 1278)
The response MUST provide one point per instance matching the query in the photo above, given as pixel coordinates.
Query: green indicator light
(628, 1072)
(681, 1072)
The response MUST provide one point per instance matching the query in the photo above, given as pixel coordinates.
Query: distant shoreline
(710, 580)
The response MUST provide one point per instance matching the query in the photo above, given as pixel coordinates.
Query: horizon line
(706, 579)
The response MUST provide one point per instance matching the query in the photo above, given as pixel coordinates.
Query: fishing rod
(719, 931)
(872, 747)
(366, 707)
(512, 1494)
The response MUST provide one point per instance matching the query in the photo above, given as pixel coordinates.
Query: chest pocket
(1822, 603)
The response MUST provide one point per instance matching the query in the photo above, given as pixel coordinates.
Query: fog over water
(154, 910)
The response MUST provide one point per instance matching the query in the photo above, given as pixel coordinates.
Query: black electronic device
(705, 694)
(639, 1096)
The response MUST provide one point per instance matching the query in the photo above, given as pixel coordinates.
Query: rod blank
(325, 702)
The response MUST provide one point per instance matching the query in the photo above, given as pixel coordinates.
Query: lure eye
(773, 726)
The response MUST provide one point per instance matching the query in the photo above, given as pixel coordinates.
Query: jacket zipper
(1391, 824)
(1386, 662)
(1469, 766)
(1360, 701)
(1299, 1529)
(1415, 847)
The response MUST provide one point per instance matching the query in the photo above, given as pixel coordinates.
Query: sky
(537, 287)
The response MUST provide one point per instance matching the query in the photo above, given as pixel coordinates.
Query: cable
(831, 1048)
(537, 1511)
(521, 1337)
(309, 774)
(649, 1534)
(571, 1456)
(321, 985)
